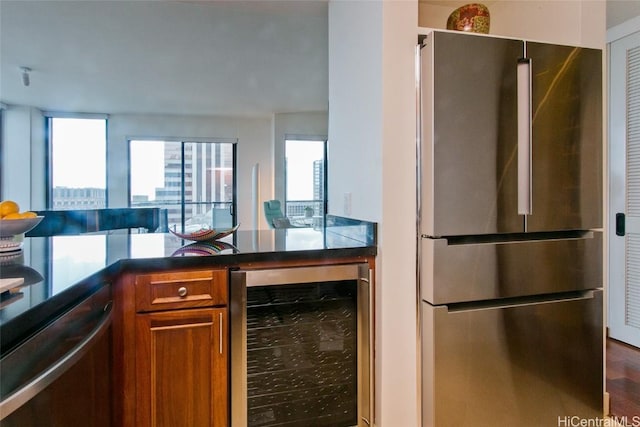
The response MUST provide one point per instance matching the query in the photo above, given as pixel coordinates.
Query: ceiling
(233, 58)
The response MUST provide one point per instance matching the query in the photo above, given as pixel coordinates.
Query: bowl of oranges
(13, 221)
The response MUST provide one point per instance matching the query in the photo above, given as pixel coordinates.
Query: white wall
(23, 157)
(372, 156)
(355, 108)
(398, 228)
(575, 22)
(620, 11)
(255, 145)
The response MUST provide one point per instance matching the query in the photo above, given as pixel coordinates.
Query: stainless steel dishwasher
(61, 376)
(301, 346)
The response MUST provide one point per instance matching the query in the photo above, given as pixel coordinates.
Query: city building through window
(193, 181)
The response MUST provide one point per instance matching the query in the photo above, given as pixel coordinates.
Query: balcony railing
(216, 215)
(297, 208)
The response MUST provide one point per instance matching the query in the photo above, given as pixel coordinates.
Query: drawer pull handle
(182, 291)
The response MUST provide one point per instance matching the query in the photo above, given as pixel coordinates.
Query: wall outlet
(347, 204)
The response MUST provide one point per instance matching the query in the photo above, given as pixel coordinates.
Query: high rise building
(318, 186)
(65, 198)
(169, 196)
(208, 183)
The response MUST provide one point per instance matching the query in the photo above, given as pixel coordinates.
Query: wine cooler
(301, 347)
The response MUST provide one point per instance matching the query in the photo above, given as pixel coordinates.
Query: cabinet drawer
(181, 289)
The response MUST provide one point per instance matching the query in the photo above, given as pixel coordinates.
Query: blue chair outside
(274, 216)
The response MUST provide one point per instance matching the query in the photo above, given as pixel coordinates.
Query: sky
(147, 167)
(76, 164)
(300, 157)
(74, 146)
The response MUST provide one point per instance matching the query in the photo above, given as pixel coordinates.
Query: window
(78, 161)
(1, 148)
(305, 170)
(193, 181)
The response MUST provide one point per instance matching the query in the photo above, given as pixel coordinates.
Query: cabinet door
(181, 368)
(566, 148)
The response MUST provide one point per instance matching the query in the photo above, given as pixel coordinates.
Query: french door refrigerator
(510, 231)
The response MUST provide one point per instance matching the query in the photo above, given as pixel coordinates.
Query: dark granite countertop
(59, 271)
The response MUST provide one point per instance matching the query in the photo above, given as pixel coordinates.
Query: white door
(624, 181)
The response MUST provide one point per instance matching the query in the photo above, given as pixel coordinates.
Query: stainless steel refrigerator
(510, 239)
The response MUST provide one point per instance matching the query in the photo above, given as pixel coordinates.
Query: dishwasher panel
(61, 376)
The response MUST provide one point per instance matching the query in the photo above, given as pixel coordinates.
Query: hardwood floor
(623, 379)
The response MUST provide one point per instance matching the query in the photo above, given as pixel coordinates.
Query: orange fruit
(29, 214)
(8, 207)
(13, 215)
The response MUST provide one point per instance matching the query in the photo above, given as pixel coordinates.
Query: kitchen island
(60, 271)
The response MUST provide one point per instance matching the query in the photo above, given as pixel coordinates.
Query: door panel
(469, 138)
(624, 158)
(521, 365)
(567, 137)
(483, 271)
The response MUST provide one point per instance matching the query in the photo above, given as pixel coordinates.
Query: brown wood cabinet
(181, 368)
(171, 344)
(181, 289)
(172, 361)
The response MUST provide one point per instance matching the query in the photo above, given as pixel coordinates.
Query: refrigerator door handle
(524, 136)
(520, 301)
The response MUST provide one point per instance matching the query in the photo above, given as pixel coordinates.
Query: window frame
(309, 138)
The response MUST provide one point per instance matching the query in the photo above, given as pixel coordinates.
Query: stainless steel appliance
(301, 347)
(61, 376)
(510, 244)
